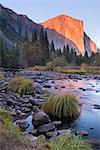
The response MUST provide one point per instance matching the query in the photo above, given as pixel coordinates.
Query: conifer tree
(52, 46)
(26, 36)
(34, 37)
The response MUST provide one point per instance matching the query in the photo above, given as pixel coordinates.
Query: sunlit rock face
(72, 29)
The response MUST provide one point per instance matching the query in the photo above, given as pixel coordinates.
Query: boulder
(40, 118)
(46, 128)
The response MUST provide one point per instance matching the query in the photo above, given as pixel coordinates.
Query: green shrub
(1, 76)
(5, 117)
(59, 61)
(84, 67)
(66, 143)
(10, 135)
(21, 85)
(58, 69)
(74, 71)
(50, 66)
(61, 106)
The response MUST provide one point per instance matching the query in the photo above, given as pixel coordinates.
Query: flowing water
(88, 93)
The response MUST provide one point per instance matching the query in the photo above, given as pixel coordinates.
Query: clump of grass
(72, 71)
(62, 106)
(21, 85)
(5, 117)
(38, 68)
(66, 143)
(10, 135)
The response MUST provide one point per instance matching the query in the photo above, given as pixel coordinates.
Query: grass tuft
(62, 106)
(21, 85)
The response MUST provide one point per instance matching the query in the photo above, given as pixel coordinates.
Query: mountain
(62, 30)
(13, 26)
(72, 29)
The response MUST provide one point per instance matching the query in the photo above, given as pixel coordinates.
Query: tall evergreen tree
(34, 37)
(26, 36)
(59, 52)
(52, 46)
(46, 49)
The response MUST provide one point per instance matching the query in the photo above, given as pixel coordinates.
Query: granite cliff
(72, 29)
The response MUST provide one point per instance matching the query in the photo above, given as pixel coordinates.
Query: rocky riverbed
(34, 122)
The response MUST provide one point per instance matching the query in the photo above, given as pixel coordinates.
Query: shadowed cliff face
(72, 29)
(89, 45)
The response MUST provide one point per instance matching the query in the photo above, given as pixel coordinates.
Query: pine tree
(41, 37)
(59, 52)
(46, 49)
(34, 37)
(44, 45)
(66, 53)
(26, 36)
(52, 46)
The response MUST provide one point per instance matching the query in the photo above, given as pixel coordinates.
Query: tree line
(39, 51)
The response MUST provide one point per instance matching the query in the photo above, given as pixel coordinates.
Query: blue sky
(41, 10)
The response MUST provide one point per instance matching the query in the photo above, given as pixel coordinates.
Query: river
(88, 93)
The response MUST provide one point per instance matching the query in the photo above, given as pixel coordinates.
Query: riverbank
(24, 106)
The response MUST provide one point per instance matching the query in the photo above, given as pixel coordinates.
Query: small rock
(31, 138)
(82, 133)
(82, 89)
(46, 128)
(51, 134)
(47, 86)
(65, 132)
(25, 109)
(35, 109)
(37, 102)
(34, 132)
(57, 123)
(62, 87)
(41, 138)
(96, 106)
(23, 124)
